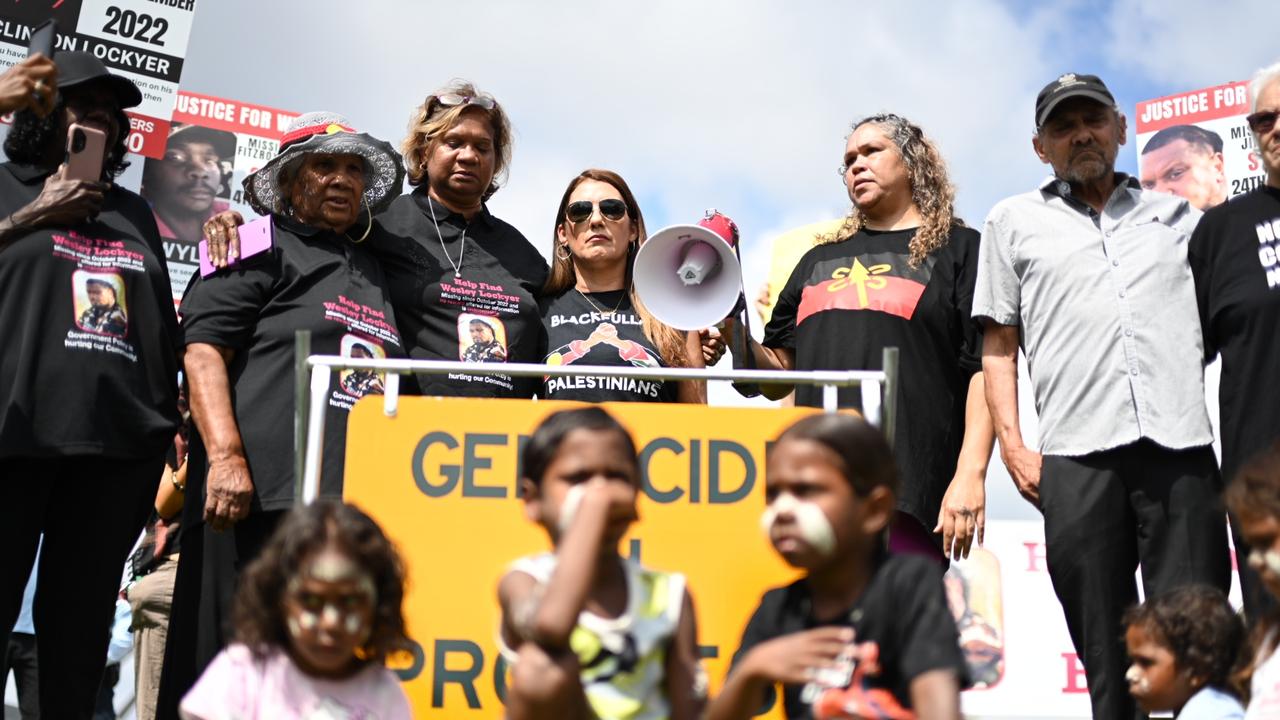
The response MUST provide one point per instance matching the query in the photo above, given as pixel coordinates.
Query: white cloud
(1191, 43)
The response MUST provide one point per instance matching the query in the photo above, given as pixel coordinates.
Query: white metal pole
(391, 394)
(320, 376)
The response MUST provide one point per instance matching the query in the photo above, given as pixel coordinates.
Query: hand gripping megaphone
(689, 276)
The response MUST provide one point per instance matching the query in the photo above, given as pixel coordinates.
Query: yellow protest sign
(788, 248)
(440, 477)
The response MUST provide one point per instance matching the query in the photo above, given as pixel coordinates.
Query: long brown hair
(669, 341)
(931, 190)
(258, 614)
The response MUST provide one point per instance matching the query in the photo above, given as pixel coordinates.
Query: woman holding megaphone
(899, 273)
(590, 308)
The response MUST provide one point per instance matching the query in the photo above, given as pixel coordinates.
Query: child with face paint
(1253, 497)
(1183, 646)
(863, 634)
(315, 616)
(587, 633)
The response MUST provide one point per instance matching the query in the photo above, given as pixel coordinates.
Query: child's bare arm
(549, 617)
(790, 659)
(686, 683)
(518, 597)
(935, 695)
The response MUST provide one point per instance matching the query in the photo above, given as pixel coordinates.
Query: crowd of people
(1115, 292)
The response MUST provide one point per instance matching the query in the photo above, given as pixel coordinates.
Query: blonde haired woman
(452, 266)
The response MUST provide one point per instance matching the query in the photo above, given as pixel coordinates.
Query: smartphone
(86, 150)
(42, 39)
(255, 238)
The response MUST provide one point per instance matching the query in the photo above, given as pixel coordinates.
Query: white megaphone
(689, 275)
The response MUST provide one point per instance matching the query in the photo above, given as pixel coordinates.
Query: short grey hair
(1261, 80)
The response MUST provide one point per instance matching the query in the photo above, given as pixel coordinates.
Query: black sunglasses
(1263, 121)
(611, 209)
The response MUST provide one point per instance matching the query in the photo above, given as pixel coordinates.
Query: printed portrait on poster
(481, 338)
(99, 302)
(360, 382)
(974, 596)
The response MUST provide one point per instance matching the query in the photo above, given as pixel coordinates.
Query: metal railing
(879, 391)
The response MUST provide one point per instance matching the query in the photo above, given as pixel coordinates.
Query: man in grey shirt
(1088, 274)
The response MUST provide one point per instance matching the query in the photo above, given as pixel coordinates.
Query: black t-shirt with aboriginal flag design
(88, 338)
(487, 312)
(578, 333)
(309, 280)
(1235, 257)
(847, 301)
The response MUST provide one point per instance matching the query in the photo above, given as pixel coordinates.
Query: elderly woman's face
(326, 191)
(460, 165)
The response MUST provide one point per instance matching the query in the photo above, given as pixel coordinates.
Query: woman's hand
(713, 346)
(228, 489)
(29, 85)
(963, 517)
(223, 238)
(62, 203)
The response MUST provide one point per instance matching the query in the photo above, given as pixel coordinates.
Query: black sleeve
(762, 627)
(1198, 256)
(223, 308)
(780, 332)
(970, 357)
(925, 629)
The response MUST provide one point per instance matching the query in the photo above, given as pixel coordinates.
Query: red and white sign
(1182, 162)
(198, 174)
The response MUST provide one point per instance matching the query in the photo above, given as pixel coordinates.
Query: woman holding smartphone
(88, 368)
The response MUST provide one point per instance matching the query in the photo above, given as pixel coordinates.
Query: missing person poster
(212, 145)
(1198, 145)
(144, 40)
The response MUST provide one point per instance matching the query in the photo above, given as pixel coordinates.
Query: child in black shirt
(863, 634)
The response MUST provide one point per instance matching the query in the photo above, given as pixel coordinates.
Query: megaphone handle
(743, 358)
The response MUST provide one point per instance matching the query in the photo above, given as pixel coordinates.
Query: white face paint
(354, 624)
(813, 525)
(333, 566)
(1265, 560)
(569, 508)
(1137, 680)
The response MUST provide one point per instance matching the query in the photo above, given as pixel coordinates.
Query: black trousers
(1107, 512)
(20, 657)
(209, 568)
(90, 510)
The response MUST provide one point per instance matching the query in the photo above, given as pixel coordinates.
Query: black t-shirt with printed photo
(848, 301)
(88, 337)
(488, 312)
(903, 611)
(1235, 258)
(579, 334)
(309, 280)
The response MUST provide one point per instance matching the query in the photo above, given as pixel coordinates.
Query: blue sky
(742, 105)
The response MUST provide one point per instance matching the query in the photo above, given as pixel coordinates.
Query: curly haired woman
(899, 273)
